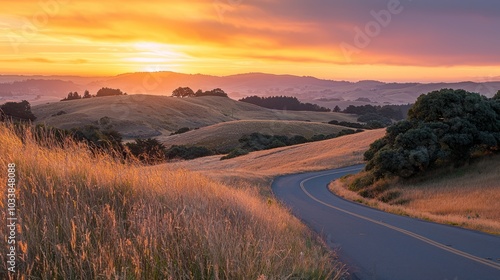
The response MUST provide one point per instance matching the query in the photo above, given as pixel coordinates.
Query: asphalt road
(379, 245)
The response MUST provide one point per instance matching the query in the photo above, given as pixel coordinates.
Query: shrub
(147, 150)
(235, 153)
(187, 153)
(181, 130)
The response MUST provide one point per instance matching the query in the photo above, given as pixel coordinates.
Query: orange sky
(420, 42)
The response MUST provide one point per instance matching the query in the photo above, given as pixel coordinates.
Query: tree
(497, 95)
(283, 103)
(446, 126)
(183, 92)
(109, 140)
(337, 109)
(218, 92)
(72, 96)
(86, 94)
(148, 150)
(109, 92)
(214, 92)
(17, 110)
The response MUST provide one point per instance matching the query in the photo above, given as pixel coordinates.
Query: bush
(107, 140)
(147, 150)
(181, 130)
(187, 153)
(59, 113)
(235, 153)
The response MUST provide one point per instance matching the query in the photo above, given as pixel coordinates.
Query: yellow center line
(406, 232)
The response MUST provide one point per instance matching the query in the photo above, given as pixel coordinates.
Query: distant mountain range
(327, 93)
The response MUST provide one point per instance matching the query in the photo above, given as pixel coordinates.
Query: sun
(153, 57)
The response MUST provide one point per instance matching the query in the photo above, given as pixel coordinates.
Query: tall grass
(467, 196)
(85, 215)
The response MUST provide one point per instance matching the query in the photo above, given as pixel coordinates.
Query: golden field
(261, 166)
(85, 215)
(467, 196)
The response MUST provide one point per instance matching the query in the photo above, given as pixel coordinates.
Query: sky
(387, 40)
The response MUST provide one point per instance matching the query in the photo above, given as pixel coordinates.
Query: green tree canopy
(109, 92)
(497, 95)
(17, 111)
(442, 126)
(183, 92)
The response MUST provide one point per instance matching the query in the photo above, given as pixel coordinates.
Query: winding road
(380, 245)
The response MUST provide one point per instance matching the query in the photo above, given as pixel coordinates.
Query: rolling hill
(140, 116)
(261, 166)
(225, 136)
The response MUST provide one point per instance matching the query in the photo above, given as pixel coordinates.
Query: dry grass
(88, 216)
(262, 166)
(468, 196)
(225, 136)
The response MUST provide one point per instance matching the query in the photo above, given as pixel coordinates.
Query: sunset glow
(386, 40)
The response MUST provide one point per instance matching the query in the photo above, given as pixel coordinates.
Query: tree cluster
(181, 130)
(106, 140)
(100, 93)
(152, 151)
(283, 103)
(378, 113)
(372, 124)
(188, 92)
(109, 92)
(445, 126)
(75, 95)
(18, 111)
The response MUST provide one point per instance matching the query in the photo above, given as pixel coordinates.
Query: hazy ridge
(323, 92)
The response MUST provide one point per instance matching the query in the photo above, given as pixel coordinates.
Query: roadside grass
(467, 196)
(261, 166)
(87, 215)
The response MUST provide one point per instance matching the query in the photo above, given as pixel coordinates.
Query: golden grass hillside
(225, 135)
(89, 216)
(262, 166)
(149, 116)
(467, 196)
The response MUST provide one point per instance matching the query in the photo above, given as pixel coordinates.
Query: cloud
(426, 33)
